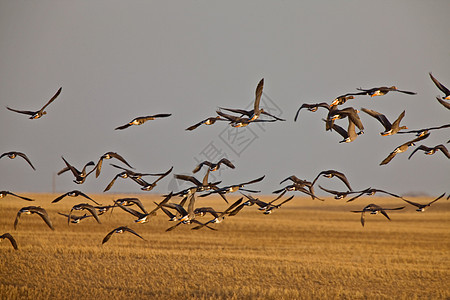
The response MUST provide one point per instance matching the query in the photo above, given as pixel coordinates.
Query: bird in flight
(39, 113)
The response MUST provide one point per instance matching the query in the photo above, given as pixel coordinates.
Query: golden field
(304, 250)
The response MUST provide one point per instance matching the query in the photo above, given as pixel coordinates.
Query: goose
(142, 120)
(269, 209)
(239, 121)
(130, 202)
(11, 239)
(256, 111)
(39, 113)
(109, 155)
(432, 150)
(235, 187)
(423, 131)
(80, 177)
(74, 193)
(349, 112)
(333, 173)
(349, 135)
(402, 148)
(186, 217)
(374, 209)
(390, 129)
(214, 166)
(443, 89)
(218, 217)
(127, 174)
(6, 193)
(422, 207)
(84, 206)
(75, 219)
(370, 192)
(28, 210)
(14, 154)
(337, 195)
(312, 108)
(208, 121)
(149, 186)
(144, 217)
(380, 91)
(121, 229)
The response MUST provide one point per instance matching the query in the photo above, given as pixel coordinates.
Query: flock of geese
(185, 211)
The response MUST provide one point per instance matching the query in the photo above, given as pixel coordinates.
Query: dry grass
(305, 250)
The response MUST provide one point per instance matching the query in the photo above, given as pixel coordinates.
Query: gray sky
(117, 60)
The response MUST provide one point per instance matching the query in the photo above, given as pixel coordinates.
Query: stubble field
(305, 250)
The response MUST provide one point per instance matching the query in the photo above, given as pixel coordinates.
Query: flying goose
(422, 207)
(312, 108)
(218, 217)
(445, 90)
(142, 120)
(121, 229)
(130, 202)
(371, 192)
(333, 173)
(80, 177)
(349, 112)
(256, 111)
(350, 134)
(28, 210)
(14, 154)
(403, 148)
(423, 131)
(432, 150)
(208, 121)
(240, 121)
(337, 195)
(39, 113)
(390, 129)
(149, 186)
(10, 238)
(214, 166)
(84, 206)
(380, 91)
(6, 193)
(235, 187)
(127, 174)
(144, 217)
(109, 155)
(75, 219)
(74, 193)
(271, 207)
(374, 209)
(186, 217)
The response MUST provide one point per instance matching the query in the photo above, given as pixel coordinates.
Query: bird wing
(258, 94)
(380, 117)
(123, 127)
(132, 231)
(108, 236)
(43, 214)
(226, 162)
(21, 197)
(440, 86)
(444, 103)
(25, 112)
(52, 99)
(108, 187)
(443, 149)
(60, 197)
(11, 239)
(26, 158)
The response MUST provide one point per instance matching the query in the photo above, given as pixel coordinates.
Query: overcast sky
(117, 60)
